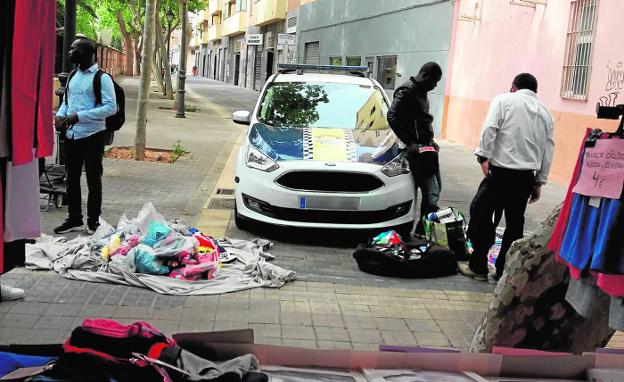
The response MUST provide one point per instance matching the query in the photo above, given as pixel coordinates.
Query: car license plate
(329, 203)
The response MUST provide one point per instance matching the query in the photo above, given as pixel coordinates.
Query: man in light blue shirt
(81, 123)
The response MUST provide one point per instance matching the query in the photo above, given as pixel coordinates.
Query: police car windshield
(323, 104)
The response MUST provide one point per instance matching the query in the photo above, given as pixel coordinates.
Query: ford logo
(330, 164)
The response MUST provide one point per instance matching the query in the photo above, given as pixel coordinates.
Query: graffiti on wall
(614, 84)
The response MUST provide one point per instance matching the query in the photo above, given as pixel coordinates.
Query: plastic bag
(174, 245)
(146, 216)
(156, 232)
(147, 262)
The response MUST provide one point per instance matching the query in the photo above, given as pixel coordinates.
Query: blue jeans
(430, 186)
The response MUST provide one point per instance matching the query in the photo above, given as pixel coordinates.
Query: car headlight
(397, 166)
(259, 161)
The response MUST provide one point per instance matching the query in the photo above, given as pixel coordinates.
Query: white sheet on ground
(73, 259)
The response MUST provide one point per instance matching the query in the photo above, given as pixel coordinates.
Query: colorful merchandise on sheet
(164, 251)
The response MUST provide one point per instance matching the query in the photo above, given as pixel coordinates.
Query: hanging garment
(31, 85)
(593, 239)
(6, 43)
(22, 216)
(564, 215)
(586, 298)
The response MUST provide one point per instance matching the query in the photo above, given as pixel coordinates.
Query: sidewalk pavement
(331, 306)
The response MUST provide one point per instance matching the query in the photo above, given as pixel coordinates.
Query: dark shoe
(465, 270)
(91, 228)
(69, 226)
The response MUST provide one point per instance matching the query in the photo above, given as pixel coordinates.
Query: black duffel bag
(417, 259)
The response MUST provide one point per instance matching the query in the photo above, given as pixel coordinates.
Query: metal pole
(183, 54)
(169, 43)
(69, 35)
(246, 65)
(69, 32)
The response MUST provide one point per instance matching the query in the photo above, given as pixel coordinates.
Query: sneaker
(91, 228)
(69, 226)
(8, 293)
(465, 270)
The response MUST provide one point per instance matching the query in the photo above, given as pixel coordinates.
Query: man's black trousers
(90, 153)
(503, 190)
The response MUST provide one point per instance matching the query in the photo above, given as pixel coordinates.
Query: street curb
(215, 216)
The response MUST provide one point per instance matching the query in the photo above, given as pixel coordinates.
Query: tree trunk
(157, 73)
(138, 45)
(128, 44)
(162, 49)
(528, 309)
(146, 55)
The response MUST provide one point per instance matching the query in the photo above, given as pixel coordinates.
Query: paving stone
(63, 310)
(431, 339)
(307, 344)
(54, 323)
(298, 332)
(230, 325)
(329, 320)
(453, 326)
(268, 341)
(364, 335)
(266, 330)
(359, 322)
(390, 323)
(423, 326)
(29, 308)
(357, 346)
(133, 312)
(238, 315)
(398, 337)
(43, 336)
(331, 334)
(18, 321)
(302, 319)
(334, 345)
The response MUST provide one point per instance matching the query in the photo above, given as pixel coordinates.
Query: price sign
(602, 172)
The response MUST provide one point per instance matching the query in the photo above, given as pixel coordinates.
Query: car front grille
(327, 216)
(329, 181)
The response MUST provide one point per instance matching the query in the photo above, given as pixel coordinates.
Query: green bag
(449, 235)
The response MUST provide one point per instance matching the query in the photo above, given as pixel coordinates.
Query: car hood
(323, 144)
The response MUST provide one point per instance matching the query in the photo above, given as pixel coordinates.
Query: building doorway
(269, 64)
(237, 59)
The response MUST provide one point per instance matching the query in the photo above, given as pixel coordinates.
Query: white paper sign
(253, 39)
(285, 39)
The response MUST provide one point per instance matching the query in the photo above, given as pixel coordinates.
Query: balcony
(235, 24)
(203, 16)
(204, 37)
(268, 11)
(214, 32)
(215, 7)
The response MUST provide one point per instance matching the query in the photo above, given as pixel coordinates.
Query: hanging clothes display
(26, 119)
(588, 236)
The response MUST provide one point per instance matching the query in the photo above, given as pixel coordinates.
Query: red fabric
(613, 285)
(562, 223)
(31, 79)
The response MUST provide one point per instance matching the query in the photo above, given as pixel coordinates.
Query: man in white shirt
(515, 154)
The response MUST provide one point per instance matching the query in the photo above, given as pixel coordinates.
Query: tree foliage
(293, 104)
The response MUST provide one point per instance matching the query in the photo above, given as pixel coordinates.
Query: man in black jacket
(410, 120)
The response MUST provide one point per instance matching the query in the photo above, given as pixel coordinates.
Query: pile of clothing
(106, 350)
(167, 257)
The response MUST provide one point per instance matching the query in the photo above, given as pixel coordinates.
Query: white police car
(319, 153)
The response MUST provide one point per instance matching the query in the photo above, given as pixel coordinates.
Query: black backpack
(115, 121)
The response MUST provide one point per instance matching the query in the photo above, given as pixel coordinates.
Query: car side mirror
(241, 117)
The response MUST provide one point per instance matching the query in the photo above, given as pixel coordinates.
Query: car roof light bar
(300, 68)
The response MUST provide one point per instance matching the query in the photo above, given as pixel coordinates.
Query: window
(354, 61)
(576, 65)
(335, 61)
(386, 71)
(241, 5)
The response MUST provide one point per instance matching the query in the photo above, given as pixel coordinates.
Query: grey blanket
(76, 259)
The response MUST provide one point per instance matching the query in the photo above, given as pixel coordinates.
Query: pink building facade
(493, 40)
